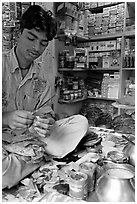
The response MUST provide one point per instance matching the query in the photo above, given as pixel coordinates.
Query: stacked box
(110, 21)
(93, 4)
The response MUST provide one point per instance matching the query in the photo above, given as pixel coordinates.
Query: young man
(26, 94)
(25, 87)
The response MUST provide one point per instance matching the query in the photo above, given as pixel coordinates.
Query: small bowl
(107, 149)
(108, 143)
(117, 157)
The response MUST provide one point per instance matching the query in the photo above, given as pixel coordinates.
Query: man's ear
(18, 35)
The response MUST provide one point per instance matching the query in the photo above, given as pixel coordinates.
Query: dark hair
(36, 17)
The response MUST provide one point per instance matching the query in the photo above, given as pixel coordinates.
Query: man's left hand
(43, 126)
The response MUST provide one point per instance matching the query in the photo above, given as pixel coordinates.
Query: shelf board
(93, 51)
(105, 69)
(106, 36)
(71, 101)
(127, 69)
(87, 69)
(78, 36)
(81, 38)
(89, 97)
(70, 70)
(101, 98)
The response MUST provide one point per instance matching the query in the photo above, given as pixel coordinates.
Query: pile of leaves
(25, 144)
(124, 124)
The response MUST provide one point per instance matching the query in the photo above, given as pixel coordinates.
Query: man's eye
(44, 44)
(31, 38)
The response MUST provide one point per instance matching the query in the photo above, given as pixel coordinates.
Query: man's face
(32, 44)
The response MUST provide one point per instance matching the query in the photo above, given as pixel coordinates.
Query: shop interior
(91, 69)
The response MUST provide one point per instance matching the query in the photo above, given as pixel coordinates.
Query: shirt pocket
(30, 102)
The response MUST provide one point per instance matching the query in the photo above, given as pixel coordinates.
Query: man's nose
(36, 46)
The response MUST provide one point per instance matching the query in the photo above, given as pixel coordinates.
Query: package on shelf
(91, 19)
(81, 25)
(111, 45)
(130, 87)
(90, 31)
(113, 91)
(120, 7)
(112, 24)
(106, 61)
(104, 29)
(62, 8)
(87, 5)
(106, 11)
(111, 30)
(101, 4)
(81, 56)
(110, 21)
(93, 4)
(113, 86)
(113, 10)
(105, 21)
(11, 13)
(97, 30)
(120, 17)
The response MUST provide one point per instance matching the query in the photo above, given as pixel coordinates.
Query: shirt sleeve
(15, 169)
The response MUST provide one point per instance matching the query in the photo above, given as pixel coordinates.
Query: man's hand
(17, 119)
(43, 126)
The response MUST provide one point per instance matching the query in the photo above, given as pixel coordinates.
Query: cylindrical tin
(89, 169)
(78, 185)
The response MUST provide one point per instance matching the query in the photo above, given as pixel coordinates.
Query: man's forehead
(37, 33)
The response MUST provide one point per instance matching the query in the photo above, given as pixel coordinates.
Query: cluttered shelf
(103, 5)
(87, 69)
(83, 99)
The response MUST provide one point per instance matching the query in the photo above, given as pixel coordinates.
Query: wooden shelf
(70, 70)
(106, 69)
(71, 101)
(107, 36)
(89, 97)
(93, 51)
(88, 69)
(110, 36)
(101, 98)
(79, 37)
(128, 31)
(127, 69)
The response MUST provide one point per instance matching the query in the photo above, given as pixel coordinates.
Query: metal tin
(78, 185)
(89, 169)
(117, 157)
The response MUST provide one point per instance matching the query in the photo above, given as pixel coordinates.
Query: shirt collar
(15, 64)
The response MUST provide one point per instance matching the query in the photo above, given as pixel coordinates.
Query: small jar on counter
(66, 95)
(89, 169)
(78, 185)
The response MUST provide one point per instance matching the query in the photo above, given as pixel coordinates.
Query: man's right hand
(17, 119)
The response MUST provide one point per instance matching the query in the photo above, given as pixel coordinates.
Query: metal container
(117, 157)
(78, 185)
(89, 169)
(115, 185)
(129, 150)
